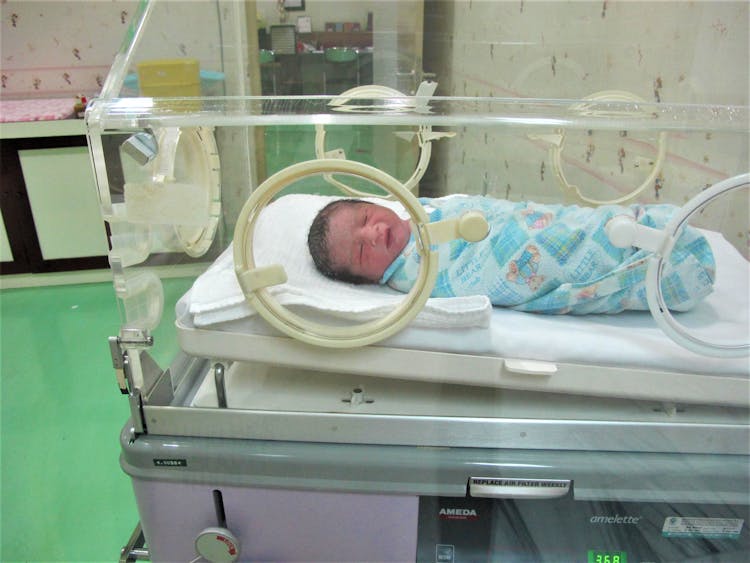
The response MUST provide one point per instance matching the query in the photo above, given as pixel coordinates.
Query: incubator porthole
(409, 148)
(613, 165)
(273, 263)
(599, 167)
(720, 255)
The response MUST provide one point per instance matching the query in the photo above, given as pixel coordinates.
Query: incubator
(276, 414)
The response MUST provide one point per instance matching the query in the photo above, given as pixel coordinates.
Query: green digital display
(601, 556)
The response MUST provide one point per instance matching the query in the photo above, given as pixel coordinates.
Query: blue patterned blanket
(557, 259)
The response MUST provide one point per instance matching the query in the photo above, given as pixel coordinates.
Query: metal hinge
(118, 349)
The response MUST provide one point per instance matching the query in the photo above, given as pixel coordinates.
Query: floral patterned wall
(691, 51)
(59, 48)
(664, 52)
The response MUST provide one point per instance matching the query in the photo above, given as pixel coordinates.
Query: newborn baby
(540, 258)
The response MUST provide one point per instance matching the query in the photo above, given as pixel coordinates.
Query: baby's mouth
(388, 238)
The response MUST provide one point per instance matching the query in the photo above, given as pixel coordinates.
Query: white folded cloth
(280, 237)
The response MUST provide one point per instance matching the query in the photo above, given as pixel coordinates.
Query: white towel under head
(280, 237)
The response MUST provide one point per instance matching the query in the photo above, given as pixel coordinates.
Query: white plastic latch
(258, 278)
(335, 153)
(425, 90)
(470, 226)
(169, 138)
(623, 231)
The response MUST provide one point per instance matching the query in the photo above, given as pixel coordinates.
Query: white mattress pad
(629, 339)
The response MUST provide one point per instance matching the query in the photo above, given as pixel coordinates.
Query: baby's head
(355, 241)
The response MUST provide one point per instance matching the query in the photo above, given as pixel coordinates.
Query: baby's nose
(373, 234)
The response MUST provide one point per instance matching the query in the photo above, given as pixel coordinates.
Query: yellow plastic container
(169, 78)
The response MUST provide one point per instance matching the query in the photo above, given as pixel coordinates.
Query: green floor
(63, 495)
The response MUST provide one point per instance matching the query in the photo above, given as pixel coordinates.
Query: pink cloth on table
(36, 109)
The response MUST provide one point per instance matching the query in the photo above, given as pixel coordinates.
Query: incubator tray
(272, 402)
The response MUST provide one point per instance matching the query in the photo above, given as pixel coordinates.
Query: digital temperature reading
(598, 556)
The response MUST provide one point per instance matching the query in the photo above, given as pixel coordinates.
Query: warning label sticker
(677, 526)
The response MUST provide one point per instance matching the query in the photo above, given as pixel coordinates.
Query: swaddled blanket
(557, 259)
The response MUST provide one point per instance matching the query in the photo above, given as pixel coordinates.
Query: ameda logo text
(458, 514)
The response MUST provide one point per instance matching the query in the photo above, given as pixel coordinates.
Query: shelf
(324, 39)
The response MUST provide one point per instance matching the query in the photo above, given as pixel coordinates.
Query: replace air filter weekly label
(676, 527)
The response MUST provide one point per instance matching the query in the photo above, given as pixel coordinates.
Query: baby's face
(364, 239)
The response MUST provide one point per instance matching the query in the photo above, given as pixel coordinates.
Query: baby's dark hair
(317, 243)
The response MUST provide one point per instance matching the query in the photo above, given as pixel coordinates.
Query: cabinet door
(61, 190)
(50, 213)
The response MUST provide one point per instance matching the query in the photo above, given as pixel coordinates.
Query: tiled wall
(692, 52)
(59, 48)
(667, 52)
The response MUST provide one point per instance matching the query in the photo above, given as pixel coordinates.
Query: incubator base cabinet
(643, 484)
(278, 414)
(334, 502)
